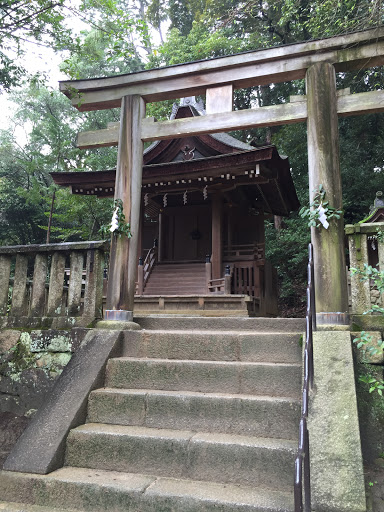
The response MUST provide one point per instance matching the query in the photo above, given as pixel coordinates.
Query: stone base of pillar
(332, 320)
(119, 315)
(118, 319)
(115, 325)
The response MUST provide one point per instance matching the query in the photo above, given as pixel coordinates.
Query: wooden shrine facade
(316, 61)
(204, 201)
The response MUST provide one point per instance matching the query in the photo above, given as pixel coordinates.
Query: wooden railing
(223, 284)
(43, 282)
(245, 252)
(146, 267)
(246, 279)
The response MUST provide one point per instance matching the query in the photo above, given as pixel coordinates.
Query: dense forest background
(126, 36)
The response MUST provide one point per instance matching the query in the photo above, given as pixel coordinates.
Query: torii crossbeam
(317, 61)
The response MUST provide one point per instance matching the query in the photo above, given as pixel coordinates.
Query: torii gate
(317, 61)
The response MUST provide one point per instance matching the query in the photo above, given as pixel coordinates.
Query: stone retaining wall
(30, 362)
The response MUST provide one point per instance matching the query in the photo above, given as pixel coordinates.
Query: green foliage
(365, 340)
(287, 250)
(377, 276)
(36, 21)
(373, 383)
(313, 212)
(370, 273)
(25, 184)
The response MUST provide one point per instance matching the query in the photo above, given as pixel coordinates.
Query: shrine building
(202, 238)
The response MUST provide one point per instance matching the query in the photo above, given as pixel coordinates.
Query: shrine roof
(201, 161)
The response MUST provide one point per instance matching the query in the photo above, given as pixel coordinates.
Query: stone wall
(370, 404)
(30, 362)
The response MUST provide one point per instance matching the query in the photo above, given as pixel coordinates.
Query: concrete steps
(260, 416)
(224, 458)
(200, 417)
(100, 491)
(271, 379)
(171, 323)
(204, 345)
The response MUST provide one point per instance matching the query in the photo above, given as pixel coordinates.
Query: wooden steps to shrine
(177, 279)
(196, 415)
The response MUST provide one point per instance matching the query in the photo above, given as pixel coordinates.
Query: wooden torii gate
(316, 61)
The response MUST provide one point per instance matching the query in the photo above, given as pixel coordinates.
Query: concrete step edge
(204, 437)
(248, 415)
(168, 321)
(23, 507)
(147, 360)
(197, 394)
(207, 332)
(191, 495)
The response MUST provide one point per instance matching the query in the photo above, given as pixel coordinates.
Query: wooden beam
(293, 112)
(279, 64)
(99, 138)
(360, 103)
(219, 99)
(214, 123)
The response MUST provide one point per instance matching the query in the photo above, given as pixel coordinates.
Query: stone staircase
(197, 415)
(177, 279)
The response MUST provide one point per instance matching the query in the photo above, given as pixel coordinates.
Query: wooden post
(208, 272)
(140, 277)
(38, 285)
(227, 280)
(324, 168)
(124, 251)
(141, 230)
(217, 217)
(219, 99)
(160, 239)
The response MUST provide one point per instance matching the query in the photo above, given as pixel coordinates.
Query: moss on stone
(371, 412)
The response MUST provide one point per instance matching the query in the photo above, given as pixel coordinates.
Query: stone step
(100, 491)
(22, 507)
(224, 458)
(215, 345)
(270, 379)
(203, 412)
(223, 323)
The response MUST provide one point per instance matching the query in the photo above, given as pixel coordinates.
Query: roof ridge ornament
(188, 101)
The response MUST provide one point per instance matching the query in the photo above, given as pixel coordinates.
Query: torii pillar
(124, 251)
(331, 292)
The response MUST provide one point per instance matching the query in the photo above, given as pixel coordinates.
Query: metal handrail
(149, 262)
(302, 461)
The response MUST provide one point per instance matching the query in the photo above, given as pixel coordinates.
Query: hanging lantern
(165, 201)
(185, 198)
(205, 192)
